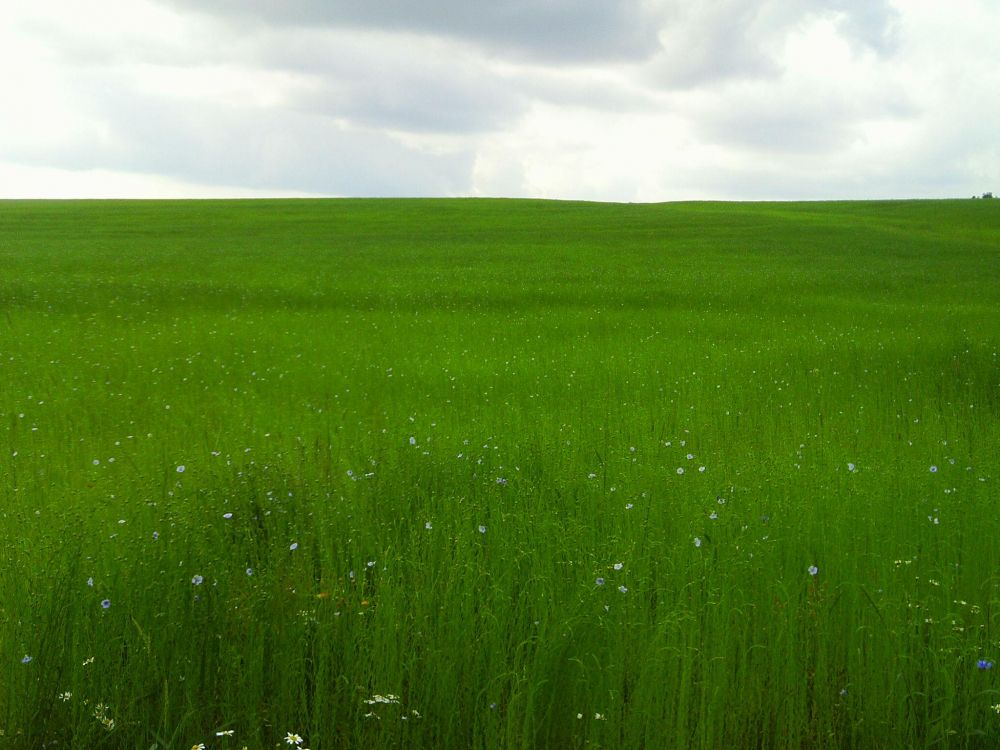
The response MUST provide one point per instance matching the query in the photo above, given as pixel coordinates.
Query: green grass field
(484, 474)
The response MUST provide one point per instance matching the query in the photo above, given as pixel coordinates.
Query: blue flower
(984, 664)
(106, 604)
(599, 581)
(27, 659)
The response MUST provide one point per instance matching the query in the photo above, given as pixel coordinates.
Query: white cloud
(636, 100)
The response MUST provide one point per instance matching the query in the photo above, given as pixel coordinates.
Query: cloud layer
(629, 100)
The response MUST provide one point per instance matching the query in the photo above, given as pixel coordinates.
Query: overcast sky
(625, 100)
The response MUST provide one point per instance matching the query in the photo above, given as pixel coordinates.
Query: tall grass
(499, 474)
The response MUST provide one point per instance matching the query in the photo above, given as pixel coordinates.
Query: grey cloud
(870, 23)
(414, 85)
(795, 122)
(565, 30)
(704, 43)
(264, 149)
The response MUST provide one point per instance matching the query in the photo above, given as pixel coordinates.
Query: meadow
(497, 474)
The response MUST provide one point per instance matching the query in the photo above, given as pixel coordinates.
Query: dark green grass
(338, 374)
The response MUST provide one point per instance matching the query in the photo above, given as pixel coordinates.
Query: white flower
(680, 470)
(197, 580)
(225, 733)
(813, 570)
(180, 469)
(293, 546)
(482, 529)
(293, 739)
(618, 566)
(428, 525)
(697, 541)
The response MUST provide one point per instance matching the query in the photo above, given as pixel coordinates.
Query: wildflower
(106, 604)
(996, 708)
(249, 571)
(680, 470)
(599, 717)
(225, 733)
(227, 516)
(599, 581)
(482, 529)
(293, 739)
(618, 566)
(65, 696)
(197, 580)
(984, 664)
(293, 546)
(90, 581)
(428, 525)
(27, 659)
(370, 563)
(156, 535)
(629, 506)
(501, 481)
(690, 456)
(813, 570)
(713, 515)
(933, 469)
(697, 541)
(850, 466)
(199, 746)
(413, 440)
(701, 469)
(623, 589)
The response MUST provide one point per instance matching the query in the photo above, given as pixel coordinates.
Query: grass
(437, 424)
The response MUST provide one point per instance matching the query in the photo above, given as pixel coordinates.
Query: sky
(611, 100)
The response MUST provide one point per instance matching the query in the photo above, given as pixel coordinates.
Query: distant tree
(987, 195)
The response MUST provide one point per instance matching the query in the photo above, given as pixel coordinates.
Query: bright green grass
(375, 380)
